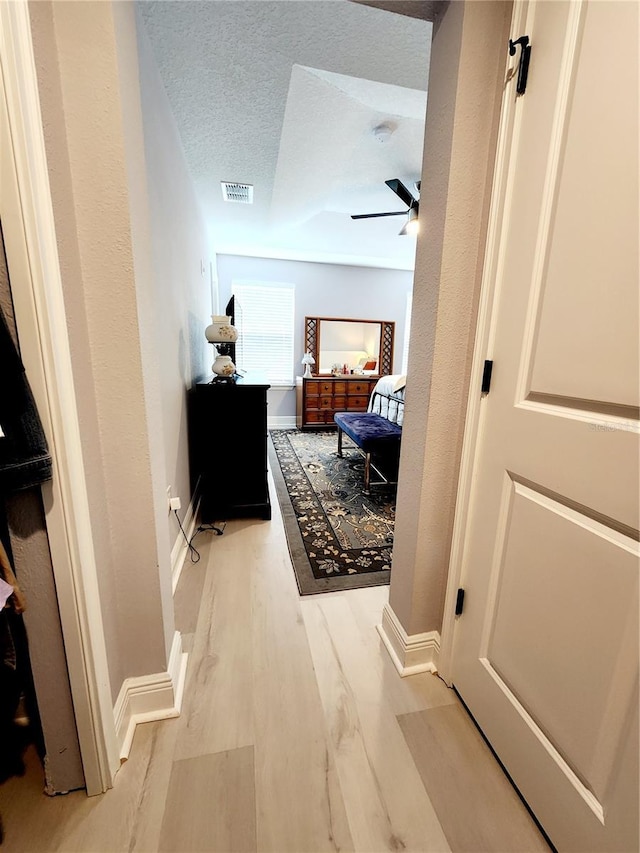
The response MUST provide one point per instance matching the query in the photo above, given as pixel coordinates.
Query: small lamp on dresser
(308, 360)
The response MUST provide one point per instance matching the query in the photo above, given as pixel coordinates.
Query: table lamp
(308, 360)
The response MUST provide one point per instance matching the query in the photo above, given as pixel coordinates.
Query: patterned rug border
(307, 583)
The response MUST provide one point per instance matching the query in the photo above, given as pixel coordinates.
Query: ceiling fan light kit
(412, 225)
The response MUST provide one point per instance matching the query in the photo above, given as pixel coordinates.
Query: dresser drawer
(315, 416)
(358, 388)
(340, 403)
(332, 386)
(358, 404)
(326, 403)
(312, 389)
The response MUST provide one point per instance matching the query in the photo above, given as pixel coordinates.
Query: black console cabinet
(228, 449)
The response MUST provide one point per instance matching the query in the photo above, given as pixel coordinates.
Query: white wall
(181, 303)
(324, 290)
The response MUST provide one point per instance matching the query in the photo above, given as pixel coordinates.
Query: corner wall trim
(179, 550)
(146, 698)
(410, 653)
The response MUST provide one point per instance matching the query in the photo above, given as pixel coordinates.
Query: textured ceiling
(285, 95)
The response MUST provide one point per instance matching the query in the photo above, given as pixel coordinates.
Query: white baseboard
(146, 698)
(410, 653)
(281, 422)
(180, 547)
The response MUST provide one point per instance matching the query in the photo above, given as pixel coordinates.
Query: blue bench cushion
(371, 432)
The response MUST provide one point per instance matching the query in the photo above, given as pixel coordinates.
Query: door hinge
(459, 601)
(523, 67)
(486, 377)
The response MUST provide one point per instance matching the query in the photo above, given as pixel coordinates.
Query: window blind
(264, 317)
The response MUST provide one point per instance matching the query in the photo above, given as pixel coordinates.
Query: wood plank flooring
(192, 815)
(296, 734)
(452, 760)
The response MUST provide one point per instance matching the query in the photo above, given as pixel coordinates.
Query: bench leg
(339, 442)
(367, 473)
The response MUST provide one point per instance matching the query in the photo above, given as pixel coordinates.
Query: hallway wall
(179, 303)
(468, 58)
(130, 385)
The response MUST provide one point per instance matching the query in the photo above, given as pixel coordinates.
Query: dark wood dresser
(318, 399)
(228, 449)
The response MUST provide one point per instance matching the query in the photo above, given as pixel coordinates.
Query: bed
(387, 398)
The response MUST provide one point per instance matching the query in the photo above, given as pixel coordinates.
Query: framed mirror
(359, 346)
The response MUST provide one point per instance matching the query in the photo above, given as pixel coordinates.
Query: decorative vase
(223, 366)
(221, 331)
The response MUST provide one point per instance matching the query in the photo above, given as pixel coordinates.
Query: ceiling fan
(411, 225)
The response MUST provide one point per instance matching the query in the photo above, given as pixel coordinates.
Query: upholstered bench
(372, 434)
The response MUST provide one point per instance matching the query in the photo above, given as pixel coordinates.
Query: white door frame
(502, 186)
(41, 321)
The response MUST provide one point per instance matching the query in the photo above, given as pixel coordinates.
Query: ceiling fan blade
(374, 215)
(401, 191)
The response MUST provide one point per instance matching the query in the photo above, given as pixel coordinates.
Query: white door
(546, 650)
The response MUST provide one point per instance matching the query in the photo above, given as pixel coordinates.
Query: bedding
(387, 398)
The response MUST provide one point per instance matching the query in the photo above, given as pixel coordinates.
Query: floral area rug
(338, 537)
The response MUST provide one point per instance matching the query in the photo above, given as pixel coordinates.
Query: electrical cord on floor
(217, 530)
(194, 554)
(437, 675)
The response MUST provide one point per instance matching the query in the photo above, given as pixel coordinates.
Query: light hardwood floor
(296, 734)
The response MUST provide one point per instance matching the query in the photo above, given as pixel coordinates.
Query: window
(265, 320)
(407, 333)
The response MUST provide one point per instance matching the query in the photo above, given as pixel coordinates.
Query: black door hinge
(523, 67)
(459, 601)
(486, 377)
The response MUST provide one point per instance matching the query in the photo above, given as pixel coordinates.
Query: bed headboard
(387, 398)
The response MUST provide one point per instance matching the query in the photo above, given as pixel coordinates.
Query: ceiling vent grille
(242, 193)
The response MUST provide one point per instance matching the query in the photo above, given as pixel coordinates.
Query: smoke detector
(232, 191)
(384, 131)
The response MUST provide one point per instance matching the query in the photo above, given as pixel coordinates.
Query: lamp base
(307, 372)
(223, 366)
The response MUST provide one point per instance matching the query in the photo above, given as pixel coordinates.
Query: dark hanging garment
(25, 462)
(16, 679)
(24, 457)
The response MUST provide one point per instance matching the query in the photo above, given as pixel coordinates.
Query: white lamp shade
(221, 331)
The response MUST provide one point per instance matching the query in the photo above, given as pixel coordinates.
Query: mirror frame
(387, 334)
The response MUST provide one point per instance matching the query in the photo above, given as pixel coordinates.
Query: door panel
(546, 651)
(553, 547)
(593, 192)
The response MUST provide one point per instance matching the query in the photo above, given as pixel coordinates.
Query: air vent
(242, 193)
